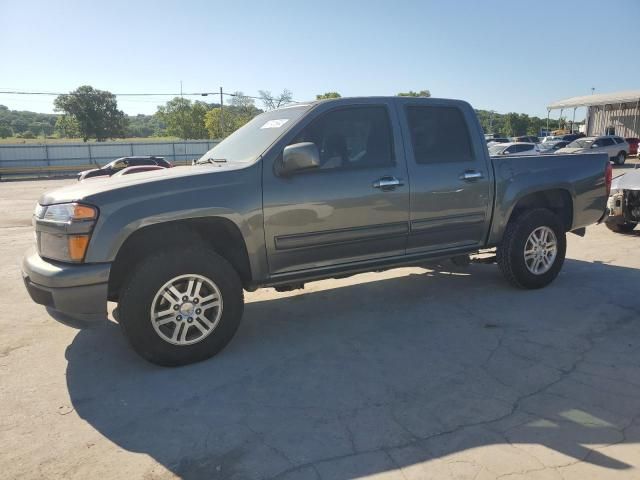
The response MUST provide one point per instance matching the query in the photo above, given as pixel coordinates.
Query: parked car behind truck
(313, 191)
(615, 147)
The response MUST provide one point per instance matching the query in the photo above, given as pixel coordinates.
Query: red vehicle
(633, 145)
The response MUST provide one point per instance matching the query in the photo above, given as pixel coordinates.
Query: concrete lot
(408, 374)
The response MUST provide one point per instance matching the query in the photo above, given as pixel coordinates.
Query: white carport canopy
(598, 99)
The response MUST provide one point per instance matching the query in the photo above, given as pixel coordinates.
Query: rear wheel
(181, 306)
(532, 250)
(624, 227)
(620, 158)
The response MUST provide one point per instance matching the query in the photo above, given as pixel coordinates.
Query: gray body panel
(320, 224)
(320, 218)
(582, 176)
(447, 211)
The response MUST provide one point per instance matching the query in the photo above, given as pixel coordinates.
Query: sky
(498, 55)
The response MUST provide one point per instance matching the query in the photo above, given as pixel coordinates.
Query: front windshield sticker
(275, 123)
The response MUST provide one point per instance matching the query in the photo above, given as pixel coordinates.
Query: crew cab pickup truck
(312, 191)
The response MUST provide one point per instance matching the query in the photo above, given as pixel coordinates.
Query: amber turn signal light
(78, 247)
(82, 212)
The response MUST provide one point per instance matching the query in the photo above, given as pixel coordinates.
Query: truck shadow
(401, 372)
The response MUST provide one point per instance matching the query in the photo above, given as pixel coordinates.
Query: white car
(616, 147)
(513, 148)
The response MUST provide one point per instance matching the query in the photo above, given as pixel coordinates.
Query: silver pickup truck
(320, 190)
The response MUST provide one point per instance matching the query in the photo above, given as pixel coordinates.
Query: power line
(142, 94)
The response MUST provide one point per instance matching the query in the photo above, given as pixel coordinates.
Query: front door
(354, 206)
(450, 176)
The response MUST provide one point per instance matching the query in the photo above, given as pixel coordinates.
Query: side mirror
(299, 156)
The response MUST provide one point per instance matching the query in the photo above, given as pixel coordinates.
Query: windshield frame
(219, 153)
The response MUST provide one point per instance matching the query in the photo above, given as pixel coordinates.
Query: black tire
(139, 291)
(620, 158)
(510, 253)
(624, 227)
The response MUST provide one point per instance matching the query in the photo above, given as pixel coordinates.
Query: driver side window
(355, 137)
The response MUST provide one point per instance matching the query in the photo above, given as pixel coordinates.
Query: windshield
(495, 149)
(581, 143)
(248, 142)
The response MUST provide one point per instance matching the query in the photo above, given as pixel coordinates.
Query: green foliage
(184, 118)
(411, 93)
(26, 134)
(327, 95)
(514, 124)
(96, 112)
(143, 126)
(21, 121)
(5, 131)
(67, 127)
(241, 110)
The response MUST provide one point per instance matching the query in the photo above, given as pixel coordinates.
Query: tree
(272, 102)
(67, 127)
(95, 111)
(327, 95)
(5, 131)
(183, 118)
(233, 119)
(411, 93)
(516, 124)
(245, 105)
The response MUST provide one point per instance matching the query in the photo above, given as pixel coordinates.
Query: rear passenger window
(618, 139)
(439, 135)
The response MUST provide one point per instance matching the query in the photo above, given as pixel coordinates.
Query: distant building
(607, 113)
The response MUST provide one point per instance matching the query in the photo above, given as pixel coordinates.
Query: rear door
(450, 175)
(355, 206)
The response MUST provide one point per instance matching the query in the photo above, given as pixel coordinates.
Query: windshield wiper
(212, 160)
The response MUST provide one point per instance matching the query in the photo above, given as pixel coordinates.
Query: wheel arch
(557, 200)
(218, 233)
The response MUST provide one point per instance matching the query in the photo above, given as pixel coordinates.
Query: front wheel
(181, 306)
(533, 248)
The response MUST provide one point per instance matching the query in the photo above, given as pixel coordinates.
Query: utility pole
(221, 114)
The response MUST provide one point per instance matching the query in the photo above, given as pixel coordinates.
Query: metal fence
(69, 158)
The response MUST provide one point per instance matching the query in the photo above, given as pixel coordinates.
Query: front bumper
(77, 292)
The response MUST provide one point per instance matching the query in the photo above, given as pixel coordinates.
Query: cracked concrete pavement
(415, 373)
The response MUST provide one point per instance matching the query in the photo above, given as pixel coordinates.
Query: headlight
(68, 213)
(63, 230)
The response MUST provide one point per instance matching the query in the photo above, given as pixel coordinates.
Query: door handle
(471, 175)
(387, 183)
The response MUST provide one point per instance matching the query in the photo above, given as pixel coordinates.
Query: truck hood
(627, 181)
(162, 178)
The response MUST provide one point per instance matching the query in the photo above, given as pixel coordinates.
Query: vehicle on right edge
(633, 145)
(616, 147)
(623, 207)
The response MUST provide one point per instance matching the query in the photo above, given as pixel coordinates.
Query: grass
(50, 141)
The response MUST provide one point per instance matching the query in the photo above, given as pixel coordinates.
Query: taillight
(608, 176)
